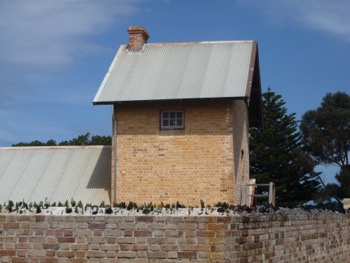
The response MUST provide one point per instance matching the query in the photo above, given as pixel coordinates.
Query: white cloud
(328, 16)
(48, 35)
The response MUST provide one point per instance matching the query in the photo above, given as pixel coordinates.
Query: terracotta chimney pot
(138, 36)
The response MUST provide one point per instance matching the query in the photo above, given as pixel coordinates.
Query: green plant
(80, 205)
(9, 206)
(202, 205)
(109, 210)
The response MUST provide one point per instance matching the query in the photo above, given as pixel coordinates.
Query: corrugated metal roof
(180, 71)
(56, 173)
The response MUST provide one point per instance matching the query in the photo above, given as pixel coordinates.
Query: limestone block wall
(207, 160)
(259, 238)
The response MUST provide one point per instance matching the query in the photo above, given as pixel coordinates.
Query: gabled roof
(185, 71)
(55, 173)
(170, 71)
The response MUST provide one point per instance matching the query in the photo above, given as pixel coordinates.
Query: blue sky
(54, 54)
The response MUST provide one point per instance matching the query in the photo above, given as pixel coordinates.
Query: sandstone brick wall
(207, 160)
(241, 147)
(292, 238)
(264, 238)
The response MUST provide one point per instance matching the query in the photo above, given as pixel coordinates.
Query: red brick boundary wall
(259, 238)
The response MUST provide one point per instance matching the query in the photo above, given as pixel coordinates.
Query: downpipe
(115, 158)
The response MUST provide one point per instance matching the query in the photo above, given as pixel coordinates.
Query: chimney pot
(138, 36)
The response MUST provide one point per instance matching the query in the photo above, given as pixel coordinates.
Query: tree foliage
(326, 130)
(343, 177)
(277, 155)
(326, 134)
(83, 139)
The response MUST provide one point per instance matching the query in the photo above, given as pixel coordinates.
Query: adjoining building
(55, 174)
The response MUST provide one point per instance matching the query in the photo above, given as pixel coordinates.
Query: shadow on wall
(100, 177)
(205, 117)
(240, 151)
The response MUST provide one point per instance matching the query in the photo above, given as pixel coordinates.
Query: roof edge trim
(253, 58)
(170, 100)
(61, 147)
(121, 48)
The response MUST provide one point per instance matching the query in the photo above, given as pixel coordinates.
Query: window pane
(172, 119)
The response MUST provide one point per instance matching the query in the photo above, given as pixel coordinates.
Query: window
(171, 119)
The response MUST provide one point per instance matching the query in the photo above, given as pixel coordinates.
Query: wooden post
(272, 194)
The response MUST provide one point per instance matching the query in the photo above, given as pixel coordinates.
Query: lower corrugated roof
(56, 173)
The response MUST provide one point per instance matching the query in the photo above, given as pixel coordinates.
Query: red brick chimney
(138, 36)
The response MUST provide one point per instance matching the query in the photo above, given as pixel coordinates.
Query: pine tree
(276, 155)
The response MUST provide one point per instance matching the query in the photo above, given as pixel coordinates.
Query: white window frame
(172, 119)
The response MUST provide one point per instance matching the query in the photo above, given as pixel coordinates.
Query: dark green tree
(51, 143)
(343, 177)
(326, 134)
(83, 139)
(277, 155)
(101, 140)
(35, 143)
(80, 140)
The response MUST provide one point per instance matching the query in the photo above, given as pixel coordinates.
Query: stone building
(181, 114)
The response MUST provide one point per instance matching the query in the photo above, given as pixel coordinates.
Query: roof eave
(105, 79)
(254, 90)
(169, 100)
